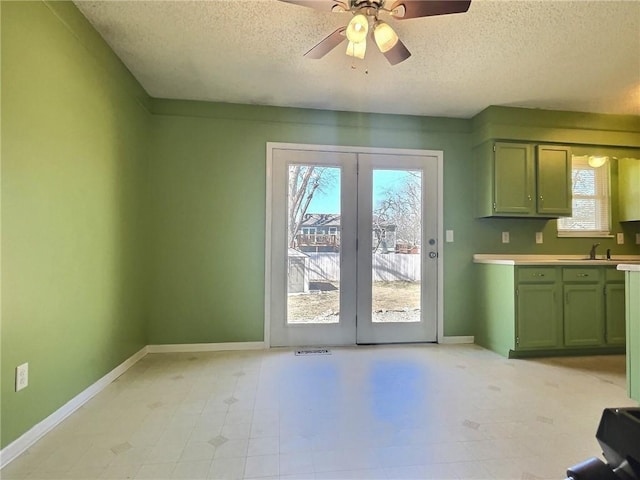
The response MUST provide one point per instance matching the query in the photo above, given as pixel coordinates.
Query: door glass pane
(396, 247)
(313, 224)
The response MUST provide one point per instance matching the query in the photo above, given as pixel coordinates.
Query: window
(591, 209)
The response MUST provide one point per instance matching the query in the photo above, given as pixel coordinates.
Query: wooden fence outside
(386, 267)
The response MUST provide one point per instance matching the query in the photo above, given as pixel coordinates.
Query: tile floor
(394, 412)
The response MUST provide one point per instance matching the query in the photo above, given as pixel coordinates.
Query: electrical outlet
(505, 237)
(449, 236)
(539, 238)
(620, 238)
(22, 376)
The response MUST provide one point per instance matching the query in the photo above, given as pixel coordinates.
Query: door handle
(433, 254)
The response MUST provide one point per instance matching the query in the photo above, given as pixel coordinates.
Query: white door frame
(439, 154)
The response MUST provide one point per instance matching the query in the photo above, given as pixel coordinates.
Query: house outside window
(591, 201)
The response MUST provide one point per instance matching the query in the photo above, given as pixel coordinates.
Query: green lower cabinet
(527, 311)
(538, 317)
(583, 315)
(560, 310)
(614, 314)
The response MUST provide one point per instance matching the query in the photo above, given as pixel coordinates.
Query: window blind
(591, 205)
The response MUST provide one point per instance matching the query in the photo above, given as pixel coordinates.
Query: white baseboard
(205, 347)
(31, 436)
(459, 339)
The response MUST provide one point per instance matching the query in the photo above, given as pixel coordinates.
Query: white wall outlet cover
(449, 236)
(505, 237)
(620, 238)
(22, 376)
(539, 237)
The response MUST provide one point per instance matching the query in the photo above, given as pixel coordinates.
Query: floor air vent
(313, 351)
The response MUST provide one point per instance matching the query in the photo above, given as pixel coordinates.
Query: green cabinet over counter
(629, 189)
(522, 180)
(550, 310)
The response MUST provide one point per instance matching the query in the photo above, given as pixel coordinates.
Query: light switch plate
(449, 236)
(539, 237)
(620, 238)
(505, 237)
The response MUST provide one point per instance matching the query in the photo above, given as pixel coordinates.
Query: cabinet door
(537, 316)
(583, 315)
(614, 313)
(513, 178)
(553, 180)
(629, 189)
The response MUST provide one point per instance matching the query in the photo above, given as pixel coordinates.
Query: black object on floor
(619, 436)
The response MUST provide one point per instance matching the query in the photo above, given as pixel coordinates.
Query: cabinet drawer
(536, 274)
(613, 275)
(580, 274)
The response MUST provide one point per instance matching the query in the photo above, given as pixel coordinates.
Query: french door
(352, 246)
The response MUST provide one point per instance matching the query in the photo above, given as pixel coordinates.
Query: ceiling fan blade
(399, 53)
(327, 44)
(324, 5)
(405, 9)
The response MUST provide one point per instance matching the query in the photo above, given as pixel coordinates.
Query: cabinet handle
(538, 275)
(582, 275)
(566, 298)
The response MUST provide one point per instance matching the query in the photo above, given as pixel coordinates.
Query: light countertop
(628, 262)
(629, 267)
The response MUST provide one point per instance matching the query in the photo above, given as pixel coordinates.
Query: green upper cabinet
(513, 178)
(553, 180)
(522, 180)
(629, 189)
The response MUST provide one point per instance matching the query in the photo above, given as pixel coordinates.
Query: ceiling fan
(366, 18)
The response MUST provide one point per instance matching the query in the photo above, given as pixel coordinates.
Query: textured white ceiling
(564, 55)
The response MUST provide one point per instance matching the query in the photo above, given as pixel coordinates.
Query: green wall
(129, 221)
(207, 197)
(74, 135)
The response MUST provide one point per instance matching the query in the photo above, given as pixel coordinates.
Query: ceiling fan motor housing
(358, 4)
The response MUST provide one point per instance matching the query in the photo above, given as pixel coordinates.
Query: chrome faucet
(592, 253)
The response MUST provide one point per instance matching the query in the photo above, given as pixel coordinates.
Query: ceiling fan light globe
(358, 28)
(385, 37)
(357, 50)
